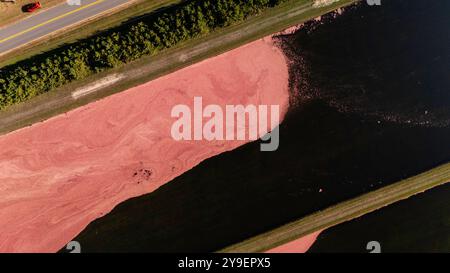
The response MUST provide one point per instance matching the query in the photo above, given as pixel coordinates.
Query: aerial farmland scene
(224, 127)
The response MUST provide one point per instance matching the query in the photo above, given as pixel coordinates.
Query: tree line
(120, 45)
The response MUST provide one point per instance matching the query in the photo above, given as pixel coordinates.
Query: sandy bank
(300, 245)
(59, 175)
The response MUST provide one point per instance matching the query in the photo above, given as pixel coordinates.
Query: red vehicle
(32, 6)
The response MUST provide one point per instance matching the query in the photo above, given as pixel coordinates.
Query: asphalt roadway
(48, 21)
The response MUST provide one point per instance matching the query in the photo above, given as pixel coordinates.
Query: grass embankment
(419, 224)
(149, 67)
(345, 211)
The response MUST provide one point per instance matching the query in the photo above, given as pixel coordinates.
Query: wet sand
(59, 175)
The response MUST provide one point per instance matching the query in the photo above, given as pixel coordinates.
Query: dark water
(418, 224)
(372, 106)
(390, 62)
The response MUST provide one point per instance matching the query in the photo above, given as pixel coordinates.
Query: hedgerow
(152, 33)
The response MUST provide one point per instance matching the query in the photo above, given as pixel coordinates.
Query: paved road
(51, 20)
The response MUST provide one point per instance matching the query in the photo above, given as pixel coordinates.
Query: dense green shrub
(150, 34)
